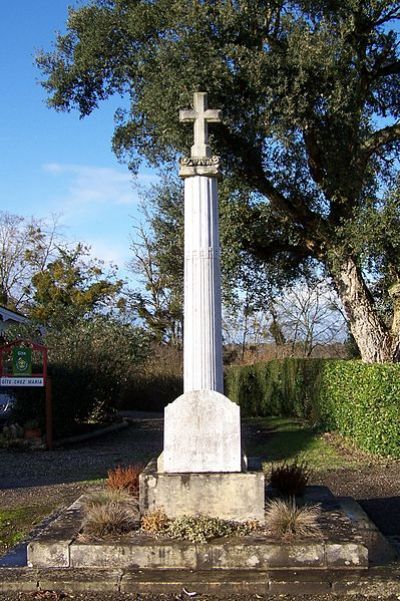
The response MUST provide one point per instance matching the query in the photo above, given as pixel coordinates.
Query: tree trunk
(394, 293)
(373, 337)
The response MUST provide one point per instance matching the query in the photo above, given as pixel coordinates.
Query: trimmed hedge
(358, 400)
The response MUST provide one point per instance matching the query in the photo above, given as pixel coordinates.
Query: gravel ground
(25, 477)
(62, 475)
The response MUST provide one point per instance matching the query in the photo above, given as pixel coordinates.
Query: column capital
(190, 166)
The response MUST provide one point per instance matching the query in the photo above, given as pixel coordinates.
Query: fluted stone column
(202, 306)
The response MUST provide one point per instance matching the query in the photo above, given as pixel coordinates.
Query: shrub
(155, 522)
(358, 400)
(126, 478)
(158, 382)
(90, 363)
(200, 529)
(284, 519)
(290, 479)
(109, 512)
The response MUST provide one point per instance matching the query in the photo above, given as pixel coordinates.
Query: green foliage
(17, 521)
(71, 287)
(158, 381)
(290, 439)
(200, 529)
(151, 393)
(90, 363)
(358, 400)
(303, 88)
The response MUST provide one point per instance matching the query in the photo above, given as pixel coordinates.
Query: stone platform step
(342, 546)
(222, 583)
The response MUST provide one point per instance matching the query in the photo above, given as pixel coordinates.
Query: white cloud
(95, 206)
(109, 251)
(89, 185)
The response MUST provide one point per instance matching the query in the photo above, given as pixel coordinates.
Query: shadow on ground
(385, 513)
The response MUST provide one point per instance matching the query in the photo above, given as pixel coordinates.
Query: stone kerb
(202, 434)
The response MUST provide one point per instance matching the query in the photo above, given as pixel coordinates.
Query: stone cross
(201, 116)
(203, 368)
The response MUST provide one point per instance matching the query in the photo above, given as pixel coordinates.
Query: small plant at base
(110, 512)
(126, 478)
(285, 520)
(155, 522)
(199, 529)
(249, 527)
(290, 479)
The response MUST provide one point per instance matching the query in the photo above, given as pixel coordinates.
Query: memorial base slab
(236, 496)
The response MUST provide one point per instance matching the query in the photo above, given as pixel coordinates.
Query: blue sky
(54, 162)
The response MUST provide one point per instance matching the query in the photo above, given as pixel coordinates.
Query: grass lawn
(278, 439)
(16, 523)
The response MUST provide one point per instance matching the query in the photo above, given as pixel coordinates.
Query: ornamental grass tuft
(109, 512)
(285, 520)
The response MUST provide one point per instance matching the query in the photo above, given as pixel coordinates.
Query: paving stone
(70, 580)
(139, 554)
(346, 555)
(348, 585)
(18, 579)
(253, 555)
(51, 547)
(203, 582)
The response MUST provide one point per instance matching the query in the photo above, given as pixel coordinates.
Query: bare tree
(26, 247)
(159, 304)
(310, 315)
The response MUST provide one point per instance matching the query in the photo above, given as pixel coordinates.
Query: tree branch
(380, 138)
(250, 168)
(268, 251)
(389, 69)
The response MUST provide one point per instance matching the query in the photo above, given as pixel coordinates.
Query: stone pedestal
(229, 496)
(201, 434)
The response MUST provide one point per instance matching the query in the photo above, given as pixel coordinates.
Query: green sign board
(22, 361)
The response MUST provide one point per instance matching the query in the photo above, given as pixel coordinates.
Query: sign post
(21, 375)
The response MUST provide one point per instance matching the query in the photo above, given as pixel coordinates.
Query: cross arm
(187, 115)
(213, 115)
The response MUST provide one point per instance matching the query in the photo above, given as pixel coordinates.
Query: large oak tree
(310, 94)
